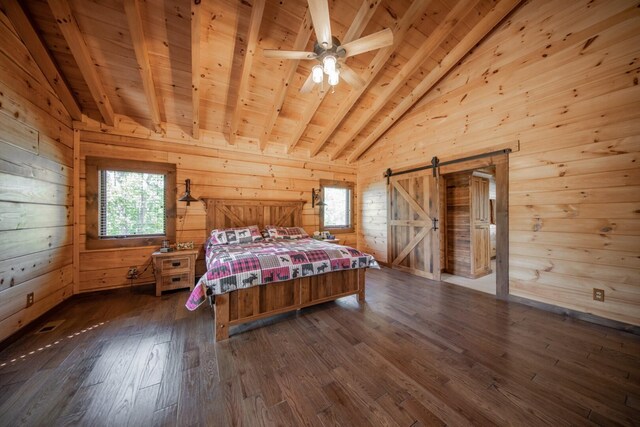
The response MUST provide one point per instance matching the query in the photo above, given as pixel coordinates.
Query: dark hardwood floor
(416, 353)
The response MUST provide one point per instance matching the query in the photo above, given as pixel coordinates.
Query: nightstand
(174, 270)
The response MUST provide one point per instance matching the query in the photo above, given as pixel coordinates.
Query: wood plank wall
(562, 78)
(214, 173)
(36, 181)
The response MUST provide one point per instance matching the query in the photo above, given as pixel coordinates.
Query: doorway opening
(417, 218)
(468, 229)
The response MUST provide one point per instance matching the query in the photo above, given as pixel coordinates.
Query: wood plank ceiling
(199, 66)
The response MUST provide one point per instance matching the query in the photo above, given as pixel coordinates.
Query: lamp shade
(316, 73)
(187, 197)
(329, 63)
(316, 200)
(334, 78)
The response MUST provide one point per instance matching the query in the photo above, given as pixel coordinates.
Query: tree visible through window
(337, 211)
(131, 204)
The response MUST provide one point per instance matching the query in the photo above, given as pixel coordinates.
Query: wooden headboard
(225, 213)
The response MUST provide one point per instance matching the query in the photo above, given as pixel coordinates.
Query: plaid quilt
(231, 267)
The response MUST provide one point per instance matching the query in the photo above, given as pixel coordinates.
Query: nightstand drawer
(176, 263)
(176, 281)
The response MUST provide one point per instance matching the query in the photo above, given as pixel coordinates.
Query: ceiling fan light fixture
(334, 78)
(329, 63)
(327, 49)
(316, 73)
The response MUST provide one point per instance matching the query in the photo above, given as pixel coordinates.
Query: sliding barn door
(413, 239)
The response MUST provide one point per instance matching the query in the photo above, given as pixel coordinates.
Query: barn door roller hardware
(387, 174)
(436, 163)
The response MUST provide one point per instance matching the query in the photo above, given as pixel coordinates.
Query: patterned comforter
(231, 267)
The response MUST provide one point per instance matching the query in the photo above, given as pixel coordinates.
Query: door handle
(434, 225)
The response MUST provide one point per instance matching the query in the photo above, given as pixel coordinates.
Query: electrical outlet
(29, 299)
(132, 273)
(598, 294)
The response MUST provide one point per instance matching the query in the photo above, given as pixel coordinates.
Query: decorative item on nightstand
(325, 236)
(183, 246)
(166, 246)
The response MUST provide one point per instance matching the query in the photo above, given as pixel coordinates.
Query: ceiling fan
(329, 52)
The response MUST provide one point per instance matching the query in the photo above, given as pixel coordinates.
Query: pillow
(235, 235)
(218, 238)
(286, 233)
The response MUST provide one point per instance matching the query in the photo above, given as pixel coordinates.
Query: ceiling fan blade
(319, 10)
(288, 54)
(308, 85)
(351, 77)
(372, 41)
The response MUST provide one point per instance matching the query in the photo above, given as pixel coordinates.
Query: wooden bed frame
(246, 305)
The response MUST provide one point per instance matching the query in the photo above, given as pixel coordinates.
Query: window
(129, 203)
(336, 215)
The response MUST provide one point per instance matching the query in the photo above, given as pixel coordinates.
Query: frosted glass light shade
(329, 63)
(316, 74)
(334, 78)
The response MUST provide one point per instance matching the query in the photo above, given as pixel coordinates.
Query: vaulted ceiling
(199, 66)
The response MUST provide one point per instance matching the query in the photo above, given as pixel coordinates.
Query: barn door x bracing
(414, 244)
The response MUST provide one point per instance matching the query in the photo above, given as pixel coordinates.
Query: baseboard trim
(575, 314)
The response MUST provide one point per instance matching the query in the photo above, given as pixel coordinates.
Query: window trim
(339, 184)
(93, 166)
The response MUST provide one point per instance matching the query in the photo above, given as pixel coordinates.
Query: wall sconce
(316, 200)
(187, 197)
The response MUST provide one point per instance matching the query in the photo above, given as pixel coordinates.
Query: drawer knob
(175, 279)
(175, 264)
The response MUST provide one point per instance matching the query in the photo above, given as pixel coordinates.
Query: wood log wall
(214, 173)
(36, 183)
(562, 78)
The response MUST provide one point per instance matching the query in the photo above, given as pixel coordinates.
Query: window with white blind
(129, 203)
(336, 214)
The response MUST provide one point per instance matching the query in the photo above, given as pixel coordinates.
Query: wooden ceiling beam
(302, 38)
(424, 52)
(473, 37)
(400, 30)
(195, 69)
(362, 18)
(252, 40)
(41, 55)
(80, 51)
(134, 18)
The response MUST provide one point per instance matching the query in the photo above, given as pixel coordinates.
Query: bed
(301, 272)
